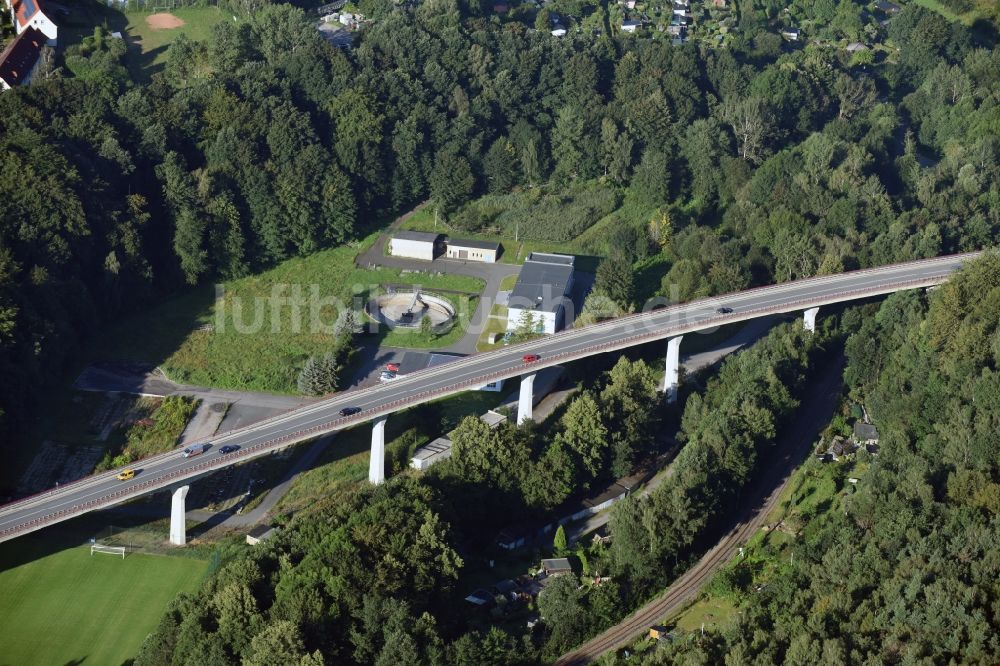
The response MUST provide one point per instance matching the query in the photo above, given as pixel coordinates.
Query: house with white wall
(31, 14)
(541, 292)
(20, 60)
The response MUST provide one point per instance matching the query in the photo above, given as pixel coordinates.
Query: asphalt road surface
(304, 423)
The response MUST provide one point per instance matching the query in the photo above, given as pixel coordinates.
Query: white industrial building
(414, 245)
(541, 292)
(473, 250)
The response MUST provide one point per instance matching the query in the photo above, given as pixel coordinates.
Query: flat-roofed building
(493, 419)
(430, 453)
(541, 292)
(414, 244)
(260, 534)
(472, 250)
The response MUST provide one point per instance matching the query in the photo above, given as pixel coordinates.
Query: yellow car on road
(125, 474)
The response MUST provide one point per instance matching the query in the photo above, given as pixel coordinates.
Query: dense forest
(908, 572)
(733, 167)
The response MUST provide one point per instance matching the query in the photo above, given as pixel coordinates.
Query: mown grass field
(153, 42)
(255, 337)
(147, 45)
(68, 607)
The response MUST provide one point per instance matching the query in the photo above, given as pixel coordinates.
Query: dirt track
(163, 21)
(815, 411)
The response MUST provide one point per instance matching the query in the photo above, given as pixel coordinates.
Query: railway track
(687, 586)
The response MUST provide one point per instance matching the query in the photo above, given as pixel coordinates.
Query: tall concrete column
(178, 519)
(526, 399)
(376, 464)
(672, 376)
(809, 319)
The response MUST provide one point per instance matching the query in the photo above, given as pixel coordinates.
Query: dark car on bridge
(723, 310)
(349, 411)
(228, 448)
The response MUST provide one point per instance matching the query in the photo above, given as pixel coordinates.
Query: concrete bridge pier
(376, 464)
(526, 398)
(178, 519)
(809, 319)
(672, 376)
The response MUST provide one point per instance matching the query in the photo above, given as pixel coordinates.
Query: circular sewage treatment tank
(407, 310)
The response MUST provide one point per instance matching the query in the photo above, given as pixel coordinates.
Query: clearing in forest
(163, 21)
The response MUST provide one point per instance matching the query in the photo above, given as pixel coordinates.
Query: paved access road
(304, 423)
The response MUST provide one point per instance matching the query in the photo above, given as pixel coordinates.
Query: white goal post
(111, 550)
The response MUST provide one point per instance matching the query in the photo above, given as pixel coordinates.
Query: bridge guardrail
(336, 424)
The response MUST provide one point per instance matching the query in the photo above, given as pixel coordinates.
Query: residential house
(20, 60)
(887, 7)
(556, 566)
(841, 447)
(854, 47)
(865, 433)
(631, 26)
(31, 14)
(507, 589)
(480, 598)
(791, 34)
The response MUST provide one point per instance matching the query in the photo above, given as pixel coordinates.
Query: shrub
(536, 215)
(319, 375)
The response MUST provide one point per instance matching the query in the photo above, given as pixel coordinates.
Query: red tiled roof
(24, 10)
(20, 57)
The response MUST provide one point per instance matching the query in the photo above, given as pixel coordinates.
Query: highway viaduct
(172, 471)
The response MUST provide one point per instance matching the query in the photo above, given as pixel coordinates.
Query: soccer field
(68, 607)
